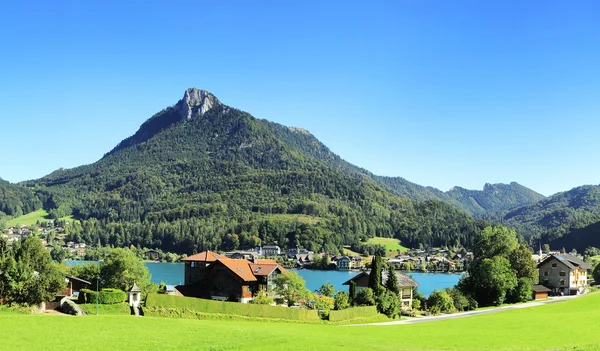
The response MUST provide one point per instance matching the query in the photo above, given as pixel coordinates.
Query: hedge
(230, 308)
(106, 296)
(112, 309)
(353, 313)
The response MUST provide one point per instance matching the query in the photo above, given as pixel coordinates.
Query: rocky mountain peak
(195, 103)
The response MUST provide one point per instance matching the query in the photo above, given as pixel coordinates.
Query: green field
(32, 218)
(29, 219)
(570, 325)
(390, 244)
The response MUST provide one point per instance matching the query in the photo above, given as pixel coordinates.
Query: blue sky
(442, 93)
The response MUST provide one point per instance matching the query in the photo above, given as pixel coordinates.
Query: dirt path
(470, 313)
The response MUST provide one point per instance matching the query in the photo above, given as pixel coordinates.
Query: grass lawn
(32, 218)
(29, 219)
(390, 244)
(569, 325)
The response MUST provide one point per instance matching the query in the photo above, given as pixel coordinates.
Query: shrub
(323, 304)
(416, 304)
(522, 292)
(460, 301)
(440, 301)
(341, 300)
(105, 296)
(389, 304)
(365, 297)
(262, 298)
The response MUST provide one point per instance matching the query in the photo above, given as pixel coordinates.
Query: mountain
(16, 200)
(478, 203)
(570, 219)
(493, 198)
(204, 175)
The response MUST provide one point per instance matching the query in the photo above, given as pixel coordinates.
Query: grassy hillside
(390, 244)
(32, 218)
(29, 219)
(525, 329)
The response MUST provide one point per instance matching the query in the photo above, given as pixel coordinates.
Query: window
(562, 273)
(562, 282)
(554, 265)
(248, 289)
(545, 273)
(193, 264)
(546, 281)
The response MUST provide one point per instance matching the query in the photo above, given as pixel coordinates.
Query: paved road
(470, 313)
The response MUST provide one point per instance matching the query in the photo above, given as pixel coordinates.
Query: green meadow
(390, 244)
(569, 325)
(32, 218)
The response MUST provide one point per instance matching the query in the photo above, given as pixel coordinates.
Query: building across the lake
(563, 274)
(269, 250)
(405, 285)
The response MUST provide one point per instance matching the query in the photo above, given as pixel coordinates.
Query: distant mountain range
(201, 174)
(570, 219)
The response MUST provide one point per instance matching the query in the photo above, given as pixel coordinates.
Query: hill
(16, 200)
(204, 175)
(570, 219)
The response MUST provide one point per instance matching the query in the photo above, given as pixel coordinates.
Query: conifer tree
(375, 276)
(392, 281)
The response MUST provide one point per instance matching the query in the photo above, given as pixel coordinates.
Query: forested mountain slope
(493, 198)
(16, 200)
(201, 175)
(569, 219)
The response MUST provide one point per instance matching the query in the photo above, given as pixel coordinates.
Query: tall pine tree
(392, 281)
(352, 292)
(375, 276)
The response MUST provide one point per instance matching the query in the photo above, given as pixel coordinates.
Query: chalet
(405, 284)
(563, 274)
(196, 265)
(228, 279)
(74, 285)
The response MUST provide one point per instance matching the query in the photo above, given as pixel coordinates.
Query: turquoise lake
(172, 273)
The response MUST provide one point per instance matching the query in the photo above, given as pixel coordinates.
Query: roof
(540, 289)
(568, 260)
(355, 277)
(204, 256)
(240, 267)
(78, 279)
(263, 269)
(403, 279)
(135, 288)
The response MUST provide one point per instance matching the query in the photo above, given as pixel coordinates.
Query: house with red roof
(216, 277)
